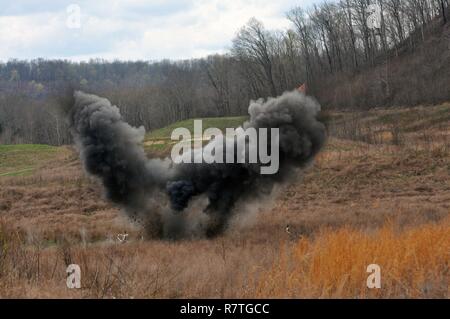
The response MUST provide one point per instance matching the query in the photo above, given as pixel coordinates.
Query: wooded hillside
(352, 54)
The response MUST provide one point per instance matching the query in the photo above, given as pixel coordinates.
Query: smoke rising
(196, 199)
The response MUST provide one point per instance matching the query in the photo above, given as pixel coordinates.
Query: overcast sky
(132, 29)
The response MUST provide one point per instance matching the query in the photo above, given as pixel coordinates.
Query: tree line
(349, 52)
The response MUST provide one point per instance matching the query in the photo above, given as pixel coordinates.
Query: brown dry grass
(414, 263)
(359, 203)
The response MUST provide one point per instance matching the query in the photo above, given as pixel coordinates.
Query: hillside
(157, 143)
(417, 72)
(368, 197)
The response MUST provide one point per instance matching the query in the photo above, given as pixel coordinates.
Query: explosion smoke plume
(111, 150)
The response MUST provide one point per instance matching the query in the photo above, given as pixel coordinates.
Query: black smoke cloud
(159, 192)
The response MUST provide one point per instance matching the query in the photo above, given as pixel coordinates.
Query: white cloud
(135, 29)
(21, 34)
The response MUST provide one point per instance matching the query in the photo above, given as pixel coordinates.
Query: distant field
(219, 122)
(158, 142)
(395, 125)
(23, 159)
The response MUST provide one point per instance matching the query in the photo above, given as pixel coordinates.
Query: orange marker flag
(302, 88)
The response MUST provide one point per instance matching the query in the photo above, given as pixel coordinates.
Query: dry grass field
(378, 193)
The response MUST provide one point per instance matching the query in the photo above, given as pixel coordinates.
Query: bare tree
(255, 43)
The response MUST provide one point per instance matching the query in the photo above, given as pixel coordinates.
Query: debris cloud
(191, 199)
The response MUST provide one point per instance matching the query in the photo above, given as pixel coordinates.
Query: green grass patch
(158, 143)
(219, 122)
(23, 159)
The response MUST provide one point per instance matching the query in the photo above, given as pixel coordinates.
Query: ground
(378, 193)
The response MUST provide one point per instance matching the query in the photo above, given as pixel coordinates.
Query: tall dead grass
(414, 264)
